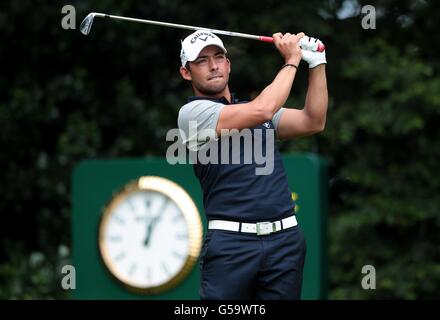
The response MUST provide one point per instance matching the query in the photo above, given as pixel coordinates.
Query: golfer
(254, 247)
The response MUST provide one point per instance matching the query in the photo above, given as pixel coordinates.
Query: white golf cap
(195, 42)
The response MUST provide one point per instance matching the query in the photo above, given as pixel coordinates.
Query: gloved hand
(309, 54)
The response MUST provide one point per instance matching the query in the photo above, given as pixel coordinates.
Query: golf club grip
(266, 39)
(321, 47)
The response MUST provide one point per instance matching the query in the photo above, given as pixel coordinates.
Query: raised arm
(311, 119)
(273, 97)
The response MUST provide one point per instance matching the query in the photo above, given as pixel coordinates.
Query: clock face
(145, 238)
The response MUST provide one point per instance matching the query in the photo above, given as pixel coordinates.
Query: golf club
(86, 25)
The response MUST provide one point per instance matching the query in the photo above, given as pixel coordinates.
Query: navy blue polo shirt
(234, 191)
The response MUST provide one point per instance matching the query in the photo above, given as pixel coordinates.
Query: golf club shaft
(182, 26)
(87, 23)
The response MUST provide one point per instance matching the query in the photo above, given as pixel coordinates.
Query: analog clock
(150, 235)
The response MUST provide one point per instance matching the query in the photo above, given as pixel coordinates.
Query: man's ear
(185, 73)
(229, 62)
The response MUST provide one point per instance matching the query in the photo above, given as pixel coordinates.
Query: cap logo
(199, 35)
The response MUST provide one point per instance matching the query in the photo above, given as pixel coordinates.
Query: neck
(225, 93)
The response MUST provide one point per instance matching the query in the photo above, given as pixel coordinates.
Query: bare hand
(288, 46)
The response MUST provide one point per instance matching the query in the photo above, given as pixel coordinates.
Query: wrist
(290, 65)
(317, 67)
(315, 64)
(292, 61)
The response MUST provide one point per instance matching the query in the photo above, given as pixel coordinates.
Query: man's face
(209, 73)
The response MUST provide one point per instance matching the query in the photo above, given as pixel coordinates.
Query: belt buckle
(264, 228)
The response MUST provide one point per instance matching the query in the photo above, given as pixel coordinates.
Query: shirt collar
(221, 100)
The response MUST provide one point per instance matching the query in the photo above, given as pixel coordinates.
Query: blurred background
(65, 97)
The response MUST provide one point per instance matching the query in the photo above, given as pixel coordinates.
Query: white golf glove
(309, 46)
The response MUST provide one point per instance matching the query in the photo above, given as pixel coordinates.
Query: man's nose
(213, 64)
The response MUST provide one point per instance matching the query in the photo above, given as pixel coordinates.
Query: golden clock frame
(191, 215)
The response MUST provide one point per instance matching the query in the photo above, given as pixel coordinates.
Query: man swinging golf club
(254, 248)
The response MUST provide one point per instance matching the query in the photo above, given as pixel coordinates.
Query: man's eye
(200, 61)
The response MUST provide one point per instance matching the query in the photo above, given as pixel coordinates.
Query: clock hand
(149, 229)
(154, 221)
(161, 210)
(149, 222)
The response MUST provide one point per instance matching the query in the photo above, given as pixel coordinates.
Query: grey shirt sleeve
(276, 117)
(198, 122)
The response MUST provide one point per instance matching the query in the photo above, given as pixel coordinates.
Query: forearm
(274, 96)
(317, 97)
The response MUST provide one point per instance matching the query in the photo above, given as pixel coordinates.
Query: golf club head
(86, 24)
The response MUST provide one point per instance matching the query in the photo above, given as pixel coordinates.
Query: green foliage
(115, 93)
(33, 275)
(381, 139)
